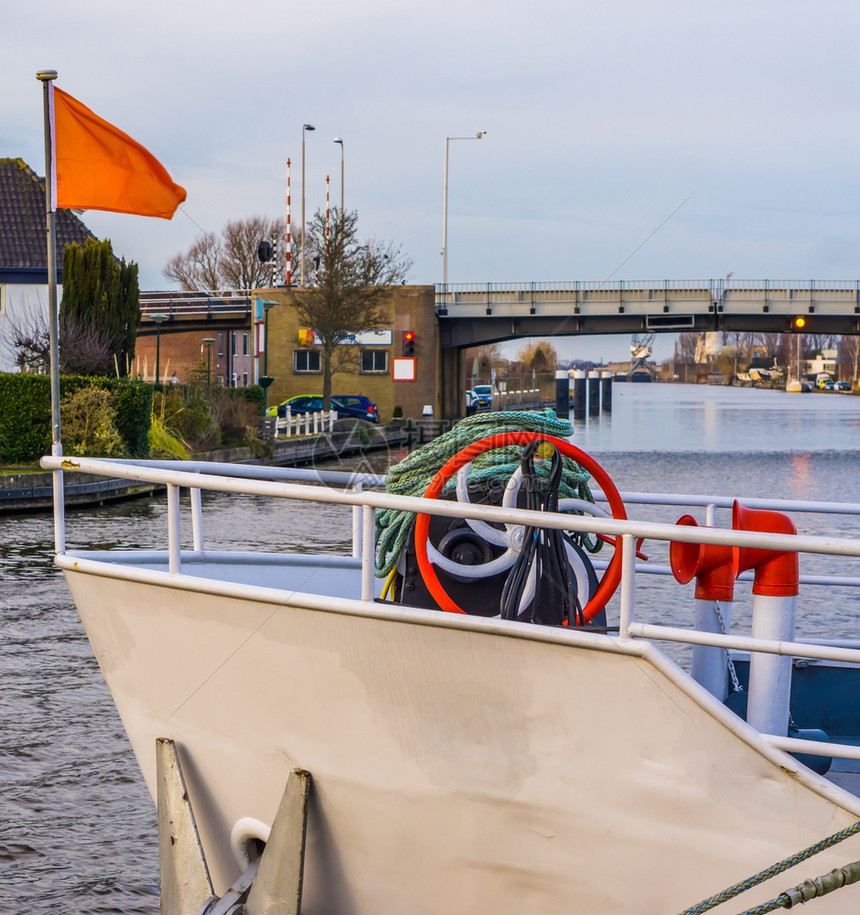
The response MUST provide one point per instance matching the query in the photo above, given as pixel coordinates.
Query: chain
(736, 684)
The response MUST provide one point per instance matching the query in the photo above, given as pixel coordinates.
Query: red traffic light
(409, 343)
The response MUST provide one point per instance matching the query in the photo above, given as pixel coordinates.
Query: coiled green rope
(413, 475)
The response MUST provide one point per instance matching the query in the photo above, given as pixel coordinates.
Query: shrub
(87, 420)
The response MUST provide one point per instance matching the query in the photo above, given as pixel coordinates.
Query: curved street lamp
(477, 136)
(339, 141)
(305, 128)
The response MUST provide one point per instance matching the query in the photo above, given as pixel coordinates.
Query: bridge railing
(194, 303)
(705, 292)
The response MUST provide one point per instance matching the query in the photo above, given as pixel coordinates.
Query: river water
(77, 827)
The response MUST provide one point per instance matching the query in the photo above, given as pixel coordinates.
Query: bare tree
(741, 343)
(849, 357)
(685, 348)
(84, 349)
(539, 356)
(198, 268)
(487, 357)
(230, 260)
(350, 283)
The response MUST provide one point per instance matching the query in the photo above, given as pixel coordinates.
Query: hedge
(25, 413)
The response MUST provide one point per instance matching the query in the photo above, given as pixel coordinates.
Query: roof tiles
(23, 225)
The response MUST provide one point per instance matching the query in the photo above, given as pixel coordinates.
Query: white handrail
(251, 480)
(651, 530)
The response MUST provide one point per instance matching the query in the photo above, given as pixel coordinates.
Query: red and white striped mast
(288, 277)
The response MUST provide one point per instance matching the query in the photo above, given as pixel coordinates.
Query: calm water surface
(77, 827)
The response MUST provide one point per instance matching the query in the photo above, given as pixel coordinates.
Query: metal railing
(288, 483)
(305, 423)
(581, 291)
(188, 304)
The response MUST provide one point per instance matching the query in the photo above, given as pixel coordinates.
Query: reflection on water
(712, 418)
(77, 827)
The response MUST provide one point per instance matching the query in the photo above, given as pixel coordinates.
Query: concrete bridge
(474, 313)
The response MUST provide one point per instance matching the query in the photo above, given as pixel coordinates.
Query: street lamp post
(266, 379)
(305, 128)
(339, 141)
(477, 136)
(209, 341)
(158, 319)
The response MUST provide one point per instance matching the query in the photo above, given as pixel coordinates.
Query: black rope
(543, 553)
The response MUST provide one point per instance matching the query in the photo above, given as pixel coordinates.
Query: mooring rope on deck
(779, 868)
(811, 889)
(413, 475)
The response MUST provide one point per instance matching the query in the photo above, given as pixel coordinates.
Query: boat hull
(459, 764)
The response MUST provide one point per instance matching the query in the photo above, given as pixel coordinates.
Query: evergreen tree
(101, 294)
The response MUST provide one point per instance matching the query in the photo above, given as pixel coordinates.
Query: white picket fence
(304, 423)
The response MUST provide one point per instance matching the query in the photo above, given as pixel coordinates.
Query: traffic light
(798, 322)
(409, 343)
(265, 251)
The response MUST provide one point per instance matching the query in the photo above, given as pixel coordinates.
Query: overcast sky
(601, 119)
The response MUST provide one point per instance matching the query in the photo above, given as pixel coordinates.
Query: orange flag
(98, 167)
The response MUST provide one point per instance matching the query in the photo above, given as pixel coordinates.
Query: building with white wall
(23, 251)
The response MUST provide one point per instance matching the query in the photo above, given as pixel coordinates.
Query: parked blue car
(344, 405)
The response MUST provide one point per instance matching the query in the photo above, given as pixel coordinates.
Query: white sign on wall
(403, 368)
(364, 338)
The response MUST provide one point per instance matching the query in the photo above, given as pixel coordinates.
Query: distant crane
(641, 347)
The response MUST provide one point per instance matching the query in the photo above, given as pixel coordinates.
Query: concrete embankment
(32, 492)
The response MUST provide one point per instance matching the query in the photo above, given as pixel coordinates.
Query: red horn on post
(776, 571)
(709, 563)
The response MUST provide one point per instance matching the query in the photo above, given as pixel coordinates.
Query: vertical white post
(316, 423)
(356, 525)
(628, 583)
(445, 224)
(197, 519)
(173, 530)
(368, 524)
(59, 512)
(770, 675)
(708, 665)
(289, 418)
(710, 515)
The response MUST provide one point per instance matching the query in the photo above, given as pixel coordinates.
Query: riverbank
(33, 492)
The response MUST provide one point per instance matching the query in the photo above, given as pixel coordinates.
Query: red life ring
(611, 576)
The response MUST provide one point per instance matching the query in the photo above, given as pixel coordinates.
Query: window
(220, 344)
(233, 343)
(245, 379)
(244, 344)
(306, 360)
(374, 360)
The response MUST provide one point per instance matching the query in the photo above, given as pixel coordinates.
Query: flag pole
(47, 77)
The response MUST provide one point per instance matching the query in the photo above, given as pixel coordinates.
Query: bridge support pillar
(562, 393)
(593, 393)
(451, 394)
(606, 385)
(579, 393)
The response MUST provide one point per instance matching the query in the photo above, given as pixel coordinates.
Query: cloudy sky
(602, 118)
